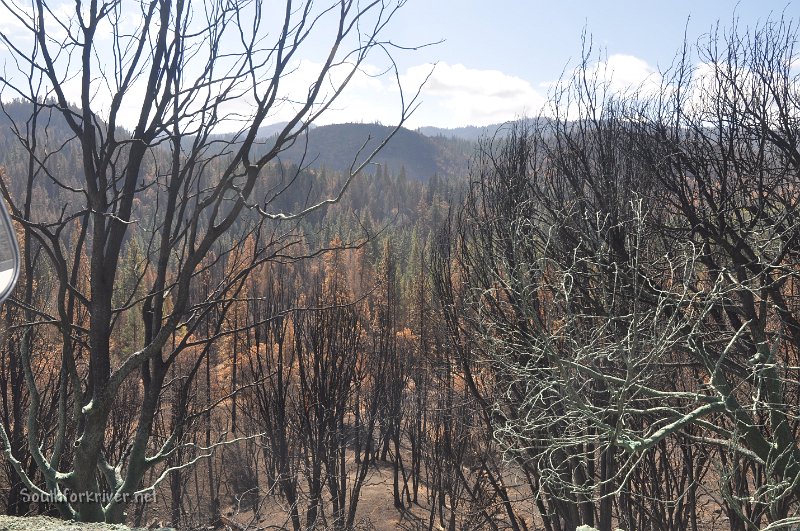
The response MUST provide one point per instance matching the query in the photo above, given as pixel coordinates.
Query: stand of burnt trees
(626, 280)
(142, 168)
(605, 332)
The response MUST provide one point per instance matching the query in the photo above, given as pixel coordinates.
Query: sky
(498, 59)
(488, 61)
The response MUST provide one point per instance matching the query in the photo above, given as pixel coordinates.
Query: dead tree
(144, 92)
(628, 274)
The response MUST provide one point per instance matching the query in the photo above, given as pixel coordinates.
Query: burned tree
(177, 75)
(628, 270)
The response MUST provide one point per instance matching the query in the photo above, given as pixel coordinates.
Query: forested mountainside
(342, 146)
(405, 185)
(332, 147)
(342, 277)
(472, 133)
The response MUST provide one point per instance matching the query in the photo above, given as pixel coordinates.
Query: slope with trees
(184, 68)
(596, 324)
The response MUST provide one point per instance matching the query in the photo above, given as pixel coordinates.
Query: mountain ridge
(342, 147)
(336, 147)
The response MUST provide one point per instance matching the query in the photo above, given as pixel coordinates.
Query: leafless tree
(189, 70)
(628, 269)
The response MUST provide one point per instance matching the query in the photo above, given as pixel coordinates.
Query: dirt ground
(376, 510)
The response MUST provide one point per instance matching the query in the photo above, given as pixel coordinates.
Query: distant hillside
(471, 132)
(272, 129)
(418, 155)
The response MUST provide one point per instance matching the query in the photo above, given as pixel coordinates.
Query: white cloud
(454, 95)
(620, 72)
(621, 75)
(457, 95)
(369, 95)
(626, 73)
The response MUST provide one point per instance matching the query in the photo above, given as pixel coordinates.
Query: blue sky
(515, 49)
(496, 61)
(534, 39)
